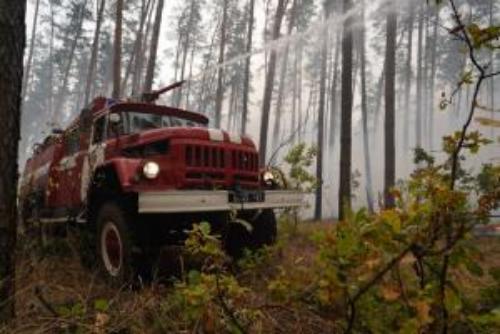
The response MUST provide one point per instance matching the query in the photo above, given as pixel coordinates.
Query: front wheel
(117, 251)
(263, 232)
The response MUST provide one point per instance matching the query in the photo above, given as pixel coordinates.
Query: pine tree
(390, 109)
(117, 50)
(269, 84)
(344, 197)
(12, 42)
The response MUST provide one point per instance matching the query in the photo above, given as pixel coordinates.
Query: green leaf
(101, 305)
(474, 268)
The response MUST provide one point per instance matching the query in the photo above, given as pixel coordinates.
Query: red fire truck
(136, 175)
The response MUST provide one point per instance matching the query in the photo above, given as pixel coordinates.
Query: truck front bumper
(180, 201)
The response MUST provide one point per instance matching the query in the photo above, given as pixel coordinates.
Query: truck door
(95, 156)
(68, 172)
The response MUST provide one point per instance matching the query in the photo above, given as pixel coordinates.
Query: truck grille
(214, 157)
(204, 156)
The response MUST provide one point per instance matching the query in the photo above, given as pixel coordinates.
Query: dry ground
(47, 285)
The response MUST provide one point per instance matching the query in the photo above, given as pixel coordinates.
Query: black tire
(117, 252)
(265, 229)
(263, 233)
(87, 249)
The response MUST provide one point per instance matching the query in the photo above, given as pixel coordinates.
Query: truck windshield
(135, 122)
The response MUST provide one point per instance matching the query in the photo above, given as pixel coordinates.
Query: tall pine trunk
(408, 76)
(93, 57)
(282, 80)
(153, 52)
(246, 83)
(69, 63)
(12, 42)
(433, 80)
(333, 93)
(492, 62)
(390, 91)
(344, 197)
(318, 208)
(364, 115)
(269, 84)
(136, 77)
(29, 62)
(117, 51)
(220, 73)
(418, 120)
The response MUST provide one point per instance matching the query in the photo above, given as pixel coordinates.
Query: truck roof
(102, 105)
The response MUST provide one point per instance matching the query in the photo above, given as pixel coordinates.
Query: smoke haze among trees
(293, 88)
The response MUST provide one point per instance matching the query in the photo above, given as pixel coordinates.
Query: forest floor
(56, 294)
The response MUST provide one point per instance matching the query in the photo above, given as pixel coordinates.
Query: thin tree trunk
(269, 84)
(333, 92)
(132, 64)
(425, 82)
(364, 115)
(188, 88)
(344, 197)
(492, 62)
(408, 76)
(62, 89)
(433, 80)
(185, 50)
(246, 84)
(117, 53)
(418, 121)
(27, 68)
(281, 88)
(300, 52)
(51, 66)
(93, 58)
(318, 208)
(220, 73)
(293, 119)
(139, 56)
(12, 42)
(390, 91)
(153, 52)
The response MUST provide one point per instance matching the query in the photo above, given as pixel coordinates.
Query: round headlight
(151, 170)
(268, 177)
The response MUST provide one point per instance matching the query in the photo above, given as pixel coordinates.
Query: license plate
(246, 197)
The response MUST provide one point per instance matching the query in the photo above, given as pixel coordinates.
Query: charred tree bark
(269, 84)
(220, 73)
(27, 69)
(153, 52)
(344, 198)
(117, 51)
(390, 110)
(95, 50)
(12, 43)
(246, 83)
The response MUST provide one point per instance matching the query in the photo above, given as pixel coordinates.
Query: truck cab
(134, 175)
